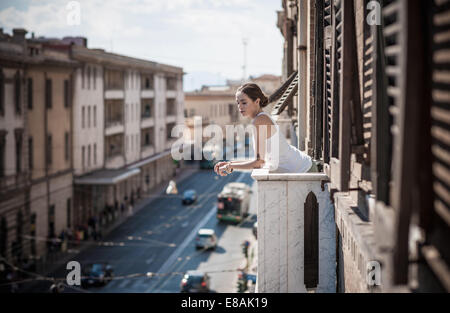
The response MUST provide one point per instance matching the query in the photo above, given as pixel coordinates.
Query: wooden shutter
(381, 120)
(336, 66)
(327, 82)
(318, 85)
(440, 108)
(369, 49)
(435, 218)
(345, 99)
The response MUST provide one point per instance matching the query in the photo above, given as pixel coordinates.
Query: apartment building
(372, 108)
(124, 111)
(37, 112)
(14, 172)
(50, 74)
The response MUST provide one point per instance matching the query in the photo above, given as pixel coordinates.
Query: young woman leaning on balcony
(281, 157)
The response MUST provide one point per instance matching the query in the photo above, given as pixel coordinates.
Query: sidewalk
(251, 262)
(146, 198)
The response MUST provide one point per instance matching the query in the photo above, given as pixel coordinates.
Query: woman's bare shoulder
(262, 120)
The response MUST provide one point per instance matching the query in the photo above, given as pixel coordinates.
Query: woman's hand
(219, 168)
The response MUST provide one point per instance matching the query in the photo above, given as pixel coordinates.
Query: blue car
(95, 274)
(189, 196)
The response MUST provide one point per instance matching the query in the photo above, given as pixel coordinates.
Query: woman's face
(247, 107)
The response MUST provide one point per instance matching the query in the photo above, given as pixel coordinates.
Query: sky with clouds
(202, 36)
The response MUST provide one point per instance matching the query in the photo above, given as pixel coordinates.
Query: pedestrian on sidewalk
(271, 148)
(130, 209)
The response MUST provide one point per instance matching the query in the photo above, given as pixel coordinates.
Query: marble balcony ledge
(280, 211)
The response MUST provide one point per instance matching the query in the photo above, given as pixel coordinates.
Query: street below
(160, 239)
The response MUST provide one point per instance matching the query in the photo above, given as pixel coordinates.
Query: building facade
(14, 173)
(124, 111)
(371, 108)
(40, 92)
(83, 134)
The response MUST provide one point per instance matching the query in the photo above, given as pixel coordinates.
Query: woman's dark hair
(254, 92)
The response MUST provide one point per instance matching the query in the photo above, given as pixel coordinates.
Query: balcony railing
(15, 181)
(114, 122)
(296, 233)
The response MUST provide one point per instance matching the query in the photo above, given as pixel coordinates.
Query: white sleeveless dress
(281, 157)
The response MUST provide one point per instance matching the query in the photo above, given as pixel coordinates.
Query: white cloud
(199, 35)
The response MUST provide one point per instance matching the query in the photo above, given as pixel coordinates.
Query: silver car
(206, 239)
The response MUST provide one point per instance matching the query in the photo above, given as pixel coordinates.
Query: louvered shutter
(327, 82)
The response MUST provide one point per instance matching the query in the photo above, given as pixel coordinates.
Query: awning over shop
(106, 177)
(151, 159)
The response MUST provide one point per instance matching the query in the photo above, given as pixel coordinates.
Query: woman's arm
(263, 131)
(247, 165)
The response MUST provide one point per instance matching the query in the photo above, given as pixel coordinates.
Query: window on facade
(48, 93)
(30, 153)
(147, 80)
(66, 146)
(2, 92)
(3, 236)
(82, 78)
(171, 83)
(51, 221)
(69, 212)
(95, 77)
(89, 77)
(114, 112)
(114, 79)
(82, 156)
(115, 145)
(2, 152)
(147, 135)
(95, 154)
(19, 234)
(30, 93)
(147, 108)
(169, 130)
(18, 137)
(171, 107)
(49, 149)
(66, 94)
(89, 117)
(82, 117)
(89, 156)
(17, 92)
(33, 233)
(95, 116)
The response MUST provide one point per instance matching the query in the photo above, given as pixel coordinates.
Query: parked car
(195, 281)
(96, 274)
(255, 229)
(206, 239)
(189, 196)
